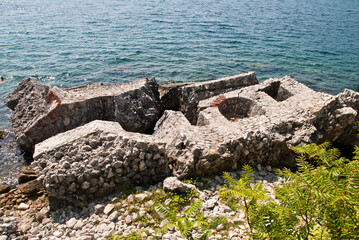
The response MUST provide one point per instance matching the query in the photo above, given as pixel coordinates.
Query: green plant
(185, 223)
(244, 195)
(333, 187)
(319, 201)
(134, 235)
(181, 200)
(216, 221)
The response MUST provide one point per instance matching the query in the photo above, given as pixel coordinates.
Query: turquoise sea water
(71, 42)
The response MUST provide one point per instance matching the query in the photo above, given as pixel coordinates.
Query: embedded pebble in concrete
(97, 171)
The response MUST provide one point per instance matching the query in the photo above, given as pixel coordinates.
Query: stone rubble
(105, 216)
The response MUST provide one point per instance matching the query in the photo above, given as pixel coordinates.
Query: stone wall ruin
(221, 125)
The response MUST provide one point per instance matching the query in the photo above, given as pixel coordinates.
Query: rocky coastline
(88, 141)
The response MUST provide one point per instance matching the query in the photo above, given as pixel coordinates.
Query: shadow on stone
(235, 108)
(277, 92)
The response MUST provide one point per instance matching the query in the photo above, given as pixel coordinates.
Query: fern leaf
(205, 235)
(170, 215)
(248, 174)
(233, 193)
(356, 153)
(181, 228)
(229, 179)
(191, 211)
(188, 227)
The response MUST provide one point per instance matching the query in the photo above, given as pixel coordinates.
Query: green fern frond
(248, 174)
(232, 193)
(356, 153)
(191, 211)
(229, 179)
(170, 215)
(181, 227)
(188, 227)
(205, 235)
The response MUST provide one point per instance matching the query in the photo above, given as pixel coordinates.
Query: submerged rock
(4, 189)
(3, 134)
(26, 175)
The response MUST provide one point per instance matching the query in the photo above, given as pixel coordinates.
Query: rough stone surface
(26, 175)
(172, 184)
(108, 209)
(42, 214)
(256, 125)
(170, 95)
(23, 206)
(222, 125)
(96, 159)
(190, 95)
(30, 188)
(42, 111)
(4, 189)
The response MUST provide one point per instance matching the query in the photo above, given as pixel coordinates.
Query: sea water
(71, 42)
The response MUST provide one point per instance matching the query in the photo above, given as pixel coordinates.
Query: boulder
(172, 184)
(43, 111)
(221, 125)
(170, 95)
(30, 188)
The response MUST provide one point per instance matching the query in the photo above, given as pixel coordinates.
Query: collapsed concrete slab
(256, 124)
(43, 111)
(190, 95)
(97, 158)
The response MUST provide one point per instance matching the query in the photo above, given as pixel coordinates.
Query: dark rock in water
(4, 189)
(42, 111)
(30, 188)
(3, 134)
(26, 175)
